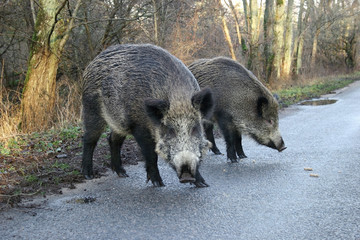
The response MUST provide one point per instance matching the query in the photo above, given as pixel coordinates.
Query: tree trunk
(160, 7)
(246, 13)
(314, 48)
(156, 22)
(298, 61)
(268, 39)
(299, 42)
(51, 34)
(288, 41)
(107, 38)
(254, 34)
(241, 41)
(278, 37)
(351, 38)
(226, 31)
(357, 35)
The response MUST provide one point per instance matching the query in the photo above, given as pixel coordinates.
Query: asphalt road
(267, 196)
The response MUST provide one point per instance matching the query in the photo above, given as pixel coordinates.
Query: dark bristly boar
(145, 91)
(242, 105)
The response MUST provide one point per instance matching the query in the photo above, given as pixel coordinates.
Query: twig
(20, 194)
(2, 79)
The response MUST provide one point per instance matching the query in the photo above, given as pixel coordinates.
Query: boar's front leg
(209, 127)
(199, 180)
(89, 145)
(94, 127)
(147, 144)
(238, 146)
(115, 142)
(228, 132)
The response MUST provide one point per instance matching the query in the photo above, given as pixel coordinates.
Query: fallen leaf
(314, 175)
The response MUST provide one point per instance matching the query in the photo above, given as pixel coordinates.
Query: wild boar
(242, 105)
(145, 91)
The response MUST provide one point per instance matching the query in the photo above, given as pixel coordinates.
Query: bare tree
(51, 34)
(269, 18)
(241, 40)
(226, 30)
(286, 66)
(253, 32)
(278, 37)
(160, 10)
(299, 40)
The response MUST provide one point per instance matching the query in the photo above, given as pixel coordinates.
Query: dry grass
(68, 103)
(312, 78)
(67, 109)
(9, 115)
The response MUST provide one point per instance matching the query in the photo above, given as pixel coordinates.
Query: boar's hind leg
(209, 127)
(238, 146)
(147, 144)
(115, 142)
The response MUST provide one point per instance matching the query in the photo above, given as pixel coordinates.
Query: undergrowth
(36, 160)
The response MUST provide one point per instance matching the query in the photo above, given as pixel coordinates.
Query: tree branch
(54, 24)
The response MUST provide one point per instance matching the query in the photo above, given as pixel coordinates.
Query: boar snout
(185, 164)
(280, 146)
(186, 177)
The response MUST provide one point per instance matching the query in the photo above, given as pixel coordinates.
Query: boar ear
(204, 102)
(156, 109)
(261, 104)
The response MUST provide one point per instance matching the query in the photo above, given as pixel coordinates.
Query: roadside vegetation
(314, 88)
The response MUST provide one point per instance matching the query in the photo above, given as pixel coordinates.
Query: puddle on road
(318, 102)
(82, 200)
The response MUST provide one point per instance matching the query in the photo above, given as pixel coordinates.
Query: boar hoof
(88, 177)
(88, 174)
(216, 151)
(233, 160)
(241, 156)
(121, 173)
(200, 181)
(156, 182)
(200, 184)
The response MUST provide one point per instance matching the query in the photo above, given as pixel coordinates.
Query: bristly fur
(145, 91)
(243, 105)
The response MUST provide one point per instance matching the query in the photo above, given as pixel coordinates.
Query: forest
(46, 44)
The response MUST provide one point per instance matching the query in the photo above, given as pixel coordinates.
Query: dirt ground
(47, 173)
(33, 173)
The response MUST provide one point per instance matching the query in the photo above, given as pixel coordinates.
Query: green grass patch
(62, 166)
(70, 133)
(319, 87)
(31, 178)
(51, 141)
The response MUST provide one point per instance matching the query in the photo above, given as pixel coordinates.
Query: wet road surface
(269, 195)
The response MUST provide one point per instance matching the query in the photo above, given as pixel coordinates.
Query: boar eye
(271, 122)
(171, 132)
(195, 131)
